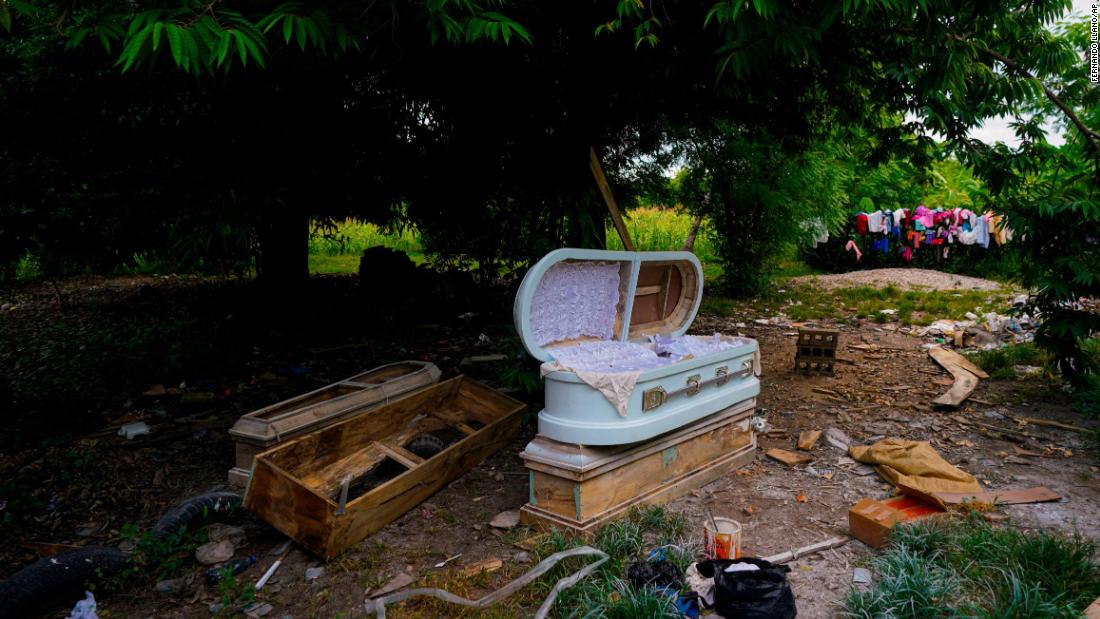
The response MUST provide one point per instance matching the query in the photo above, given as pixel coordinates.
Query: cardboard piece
(789, 458)
(1093, 611)
(807, 439)
(1039, 494)
(870, 521)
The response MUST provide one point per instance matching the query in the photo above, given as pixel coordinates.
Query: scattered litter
(234, 567)
(861, 576)
(914, 465)
(765, 592)
(741, 567)
(837, 439)
(870, 521)
(444, 562)
(84, 609)
(797, 553)
(721, 538)
(136, 428)
(282, 551)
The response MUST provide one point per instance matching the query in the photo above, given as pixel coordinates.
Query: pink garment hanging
(907, 254)
(852, 246)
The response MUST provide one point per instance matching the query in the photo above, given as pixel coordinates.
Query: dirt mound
(902, 278)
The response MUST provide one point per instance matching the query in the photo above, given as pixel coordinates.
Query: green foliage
(999, 362)
(654, 228)
(969, 568)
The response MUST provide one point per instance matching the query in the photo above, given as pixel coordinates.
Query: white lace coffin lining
(575, 299)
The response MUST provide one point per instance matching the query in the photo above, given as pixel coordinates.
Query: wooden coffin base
(580, 488)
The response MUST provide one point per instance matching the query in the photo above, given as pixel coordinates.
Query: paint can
(725, 543)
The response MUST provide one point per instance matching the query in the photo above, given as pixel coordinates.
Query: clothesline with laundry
(922, 228)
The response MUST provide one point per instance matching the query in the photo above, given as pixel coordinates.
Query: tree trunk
(284, 247)
(689, 242)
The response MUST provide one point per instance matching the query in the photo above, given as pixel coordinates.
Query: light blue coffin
(576, 296)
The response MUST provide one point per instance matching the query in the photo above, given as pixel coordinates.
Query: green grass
(654, 228)
(913, 307)
(970, 568)
(1001, 362)
(337, 250)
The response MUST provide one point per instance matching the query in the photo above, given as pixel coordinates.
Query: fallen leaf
(801, 498)
(748, 510)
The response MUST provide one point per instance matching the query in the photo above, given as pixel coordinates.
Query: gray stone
(171, 585)
(861, 576)
(258, 610)
(313, 573)
(215, 552)
(505, 520)
(217, 531)
(522, 557)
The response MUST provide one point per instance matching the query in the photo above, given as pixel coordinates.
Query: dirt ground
(902, 278)
(883, 392)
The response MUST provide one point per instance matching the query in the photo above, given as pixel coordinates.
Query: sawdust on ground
(902, 278)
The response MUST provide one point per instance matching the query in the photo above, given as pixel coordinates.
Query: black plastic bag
(659, 574)
(759, 594)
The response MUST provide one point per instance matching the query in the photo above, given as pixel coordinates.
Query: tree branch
(1091, 136)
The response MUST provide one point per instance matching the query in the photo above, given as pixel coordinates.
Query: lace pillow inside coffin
(610, 328)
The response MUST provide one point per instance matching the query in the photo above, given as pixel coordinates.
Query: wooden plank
(289, 506)
(609, 198)
(648, 290)
(325, 481)
(966, 380)
(789, 458)
(1050, 423)
(807, 439)
(965, 384)
(1039, 494)
(944, 356)
(407, 458)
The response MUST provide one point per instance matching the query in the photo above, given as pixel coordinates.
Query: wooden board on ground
(966, 380)
(789, 458)
(1039, 494)
(807, 439)
(944, 356)
(582, 498)
(299, 487)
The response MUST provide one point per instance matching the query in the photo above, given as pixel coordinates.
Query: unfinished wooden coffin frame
(301, 487)
(264, 428)
(580, 488)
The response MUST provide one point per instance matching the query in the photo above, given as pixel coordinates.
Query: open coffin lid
(573, 296)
